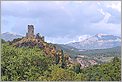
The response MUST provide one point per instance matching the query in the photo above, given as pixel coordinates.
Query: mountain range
(98, 41)
(10, 36)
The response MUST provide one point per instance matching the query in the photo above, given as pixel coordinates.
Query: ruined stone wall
(30, 33)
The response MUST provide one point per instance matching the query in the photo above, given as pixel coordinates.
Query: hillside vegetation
(115, 51)
(109, 52)
(31, 64)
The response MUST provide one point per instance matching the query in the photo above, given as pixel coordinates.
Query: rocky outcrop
(49, 49)
(38, 41)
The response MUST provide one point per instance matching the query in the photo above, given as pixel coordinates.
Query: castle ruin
(30, 33)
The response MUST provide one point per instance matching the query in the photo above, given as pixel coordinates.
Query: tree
(3, 41)
(60, 74)
(57, 58)
(19, 64)
(63, 64)
(76, 68)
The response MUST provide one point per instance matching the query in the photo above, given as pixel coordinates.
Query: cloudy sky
(62, 21)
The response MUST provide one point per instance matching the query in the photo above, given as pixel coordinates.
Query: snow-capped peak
(83, 37)
(98, 41)
(100, 34)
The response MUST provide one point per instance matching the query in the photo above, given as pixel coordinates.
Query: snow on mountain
(83, 37)
(10, 36)
(98, 41)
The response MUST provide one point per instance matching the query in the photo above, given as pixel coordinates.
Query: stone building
(30, 33)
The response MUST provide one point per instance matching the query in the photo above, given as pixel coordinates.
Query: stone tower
(30, 33)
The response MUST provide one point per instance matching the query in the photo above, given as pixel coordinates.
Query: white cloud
(101, 11)
(61, 40)
(67, 39)
(106, 18)
(115, 5)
